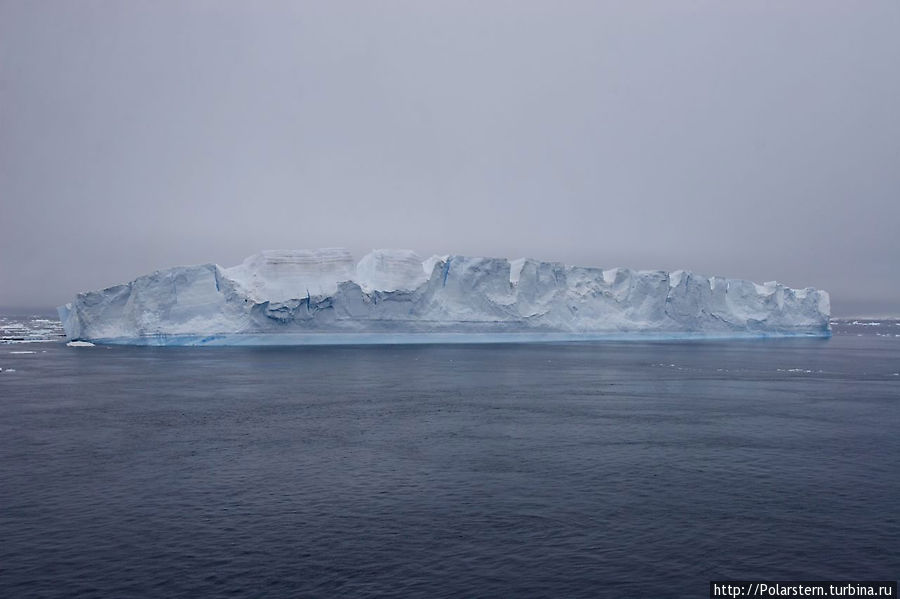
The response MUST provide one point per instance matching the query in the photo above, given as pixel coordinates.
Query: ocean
(605, 469)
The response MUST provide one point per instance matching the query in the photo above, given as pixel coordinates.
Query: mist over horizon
(865, 308)
(749, 140)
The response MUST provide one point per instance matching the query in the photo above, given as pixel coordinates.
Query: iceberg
(324, 297)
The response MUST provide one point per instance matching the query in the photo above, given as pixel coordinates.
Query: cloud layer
(750, 139)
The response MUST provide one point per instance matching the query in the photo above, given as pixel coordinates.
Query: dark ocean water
(568, 470)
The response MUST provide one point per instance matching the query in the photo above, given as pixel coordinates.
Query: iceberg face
(299, 297)
(280, 275)
(391, 270)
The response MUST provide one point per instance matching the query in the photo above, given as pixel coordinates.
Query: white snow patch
(390, 270)
(282, 275)
(428, 263)
(515, 270)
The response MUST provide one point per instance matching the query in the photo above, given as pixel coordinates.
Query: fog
(749, 139)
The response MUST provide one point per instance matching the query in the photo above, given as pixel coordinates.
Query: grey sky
(750, 139)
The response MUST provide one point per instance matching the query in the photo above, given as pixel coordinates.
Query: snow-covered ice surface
(309, 297)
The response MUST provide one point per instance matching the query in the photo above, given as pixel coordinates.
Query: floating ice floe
(15, 330)
(80, 344)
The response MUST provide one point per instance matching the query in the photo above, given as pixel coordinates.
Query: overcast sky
(749, 139)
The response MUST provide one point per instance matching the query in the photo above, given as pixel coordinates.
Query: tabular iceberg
(322, 297)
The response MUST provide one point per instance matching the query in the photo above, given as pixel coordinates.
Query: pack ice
(321, 297)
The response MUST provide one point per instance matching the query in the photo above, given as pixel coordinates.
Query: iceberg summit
(324, 297)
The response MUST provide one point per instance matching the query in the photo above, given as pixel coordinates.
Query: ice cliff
(394, 296)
